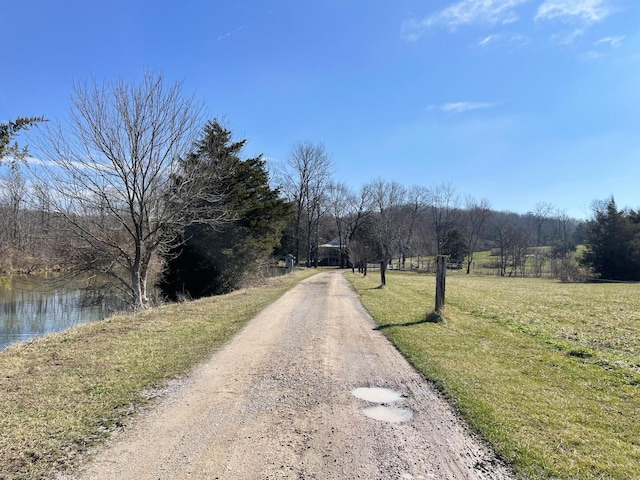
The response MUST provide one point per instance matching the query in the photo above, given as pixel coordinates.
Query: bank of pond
(31, 306)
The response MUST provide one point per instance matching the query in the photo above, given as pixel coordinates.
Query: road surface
(308, 390)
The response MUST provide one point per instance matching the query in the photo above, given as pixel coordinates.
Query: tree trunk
(383, 270)
(136, 284)
(309, 235)
(138, 280)
(297, 249)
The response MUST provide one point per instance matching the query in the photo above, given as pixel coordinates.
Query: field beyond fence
(547, 372)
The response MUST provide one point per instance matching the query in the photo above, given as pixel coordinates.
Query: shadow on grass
(379, 287)
(431, 317)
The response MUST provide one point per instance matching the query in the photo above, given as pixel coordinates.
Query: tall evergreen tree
(9, 130)
(613, 243)
(455, 245)
(211, 262)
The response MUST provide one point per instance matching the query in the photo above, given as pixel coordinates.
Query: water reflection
(34, 306)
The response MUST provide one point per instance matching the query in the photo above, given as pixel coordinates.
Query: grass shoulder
(546, 372)
(66, 392)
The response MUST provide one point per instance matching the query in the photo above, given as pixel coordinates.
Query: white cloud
(577, 15)
(520, 39)
(79, 165)
(245, 25)
(585, 11)
(460, 107)
(487, 40)
(233, 32)
(567, 38)
(613, 42)
(463, 13)
(603, 47)
(512, 39)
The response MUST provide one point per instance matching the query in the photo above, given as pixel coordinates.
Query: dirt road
(280, 402)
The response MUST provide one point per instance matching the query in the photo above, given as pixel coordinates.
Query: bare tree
(513, 242)
(502, 225)
(518, 250)
(16, 190)
(357, 221)
(562, 226)
(340, 200)
(25, 234)
(540, 215)
(476, 215)
(307, 175)
(43, 205)
(416, 201)
(113, 171)
(349, 212)
(444, 213)
(387, 200)
(424, 245)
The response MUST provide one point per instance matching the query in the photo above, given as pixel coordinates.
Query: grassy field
(549, 373)
(486, 264)
(62, 394)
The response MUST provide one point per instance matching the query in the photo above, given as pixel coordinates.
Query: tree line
(138, 189)
(387, 223)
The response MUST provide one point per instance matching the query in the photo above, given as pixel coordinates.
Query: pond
(32, 306)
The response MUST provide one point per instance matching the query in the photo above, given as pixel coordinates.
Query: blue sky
(515, 101)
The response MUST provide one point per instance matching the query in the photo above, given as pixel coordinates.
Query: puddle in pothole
(389, 414)
(377, 394)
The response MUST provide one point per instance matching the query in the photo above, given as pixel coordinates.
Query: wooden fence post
(441, 276)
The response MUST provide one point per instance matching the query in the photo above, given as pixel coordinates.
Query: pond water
(33, 306)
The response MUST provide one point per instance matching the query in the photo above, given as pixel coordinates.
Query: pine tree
(613, 243)
(9, 130)
(211, 262)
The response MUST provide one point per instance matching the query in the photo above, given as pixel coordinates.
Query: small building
(331, 253)
(289, 262)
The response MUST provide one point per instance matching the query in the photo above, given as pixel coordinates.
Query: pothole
(389, 414)
(383, 412)
(377, 394)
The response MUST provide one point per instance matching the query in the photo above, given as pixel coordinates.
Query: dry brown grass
(61, 394)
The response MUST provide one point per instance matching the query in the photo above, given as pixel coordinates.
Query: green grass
(61, 394)
(486, 264)
(549, 373)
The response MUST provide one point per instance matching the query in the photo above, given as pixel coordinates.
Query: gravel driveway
(308, 390)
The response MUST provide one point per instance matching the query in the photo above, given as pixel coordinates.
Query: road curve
(277, 403)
